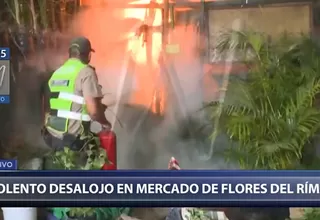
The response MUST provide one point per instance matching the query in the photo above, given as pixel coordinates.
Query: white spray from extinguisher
(236, 26)
(124, 68)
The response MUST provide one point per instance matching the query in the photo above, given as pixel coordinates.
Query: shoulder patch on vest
(59, 82)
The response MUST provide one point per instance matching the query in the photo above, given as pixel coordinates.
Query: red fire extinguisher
(108, 141)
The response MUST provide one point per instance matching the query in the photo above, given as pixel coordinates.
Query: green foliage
(196, 214)
(60, 213)
(270, 116)
(64, 213)
(90, 157)
(81, 212)
(99, 213)
(111, 213)
(311, 214)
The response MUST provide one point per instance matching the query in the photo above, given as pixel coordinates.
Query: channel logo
(4, 75)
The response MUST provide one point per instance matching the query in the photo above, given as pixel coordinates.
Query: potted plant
(29, 158)
(90, 157)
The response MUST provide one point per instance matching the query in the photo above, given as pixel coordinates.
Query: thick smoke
(145, 140)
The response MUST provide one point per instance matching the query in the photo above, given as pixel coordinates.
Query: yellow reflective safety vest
(62, 97)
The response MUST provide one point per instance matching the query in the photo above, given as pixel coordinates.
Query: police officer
(74, 99)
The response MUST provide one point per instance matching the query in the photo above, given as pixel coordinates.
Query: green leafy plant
(199, 214)
(270, 116)
(90, 157)
(196, 214)
(111, 213)
(311, 214)
(98, 213)
(81, 212)
(65, 213)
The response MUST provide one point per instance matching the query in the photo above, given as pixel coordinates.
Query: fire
(113, 29)
(139, 46)
(140, 53)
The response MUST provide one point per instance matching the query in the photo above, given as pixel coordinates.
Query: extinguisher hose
(116, 117)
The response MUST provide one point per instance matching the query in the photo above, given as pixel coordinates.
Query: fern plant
(270, 116)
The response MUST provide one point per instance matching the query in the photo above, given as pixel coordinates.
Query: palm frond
(271, 116)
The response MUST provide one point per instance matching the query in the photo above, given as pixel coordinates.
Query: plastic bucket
(24, 213)
(33, 164)
(19, 213)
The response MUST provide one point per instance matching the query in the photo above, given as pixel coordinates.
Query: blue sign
(160, 189)
(4, 53)
(4, 99)
(8, 165)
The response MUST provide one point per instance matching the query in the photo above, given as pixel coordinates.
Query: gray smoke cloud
(145, 140)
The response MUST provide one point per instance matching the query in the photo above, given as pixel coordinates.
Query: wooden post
(165, 23)
(162, 97)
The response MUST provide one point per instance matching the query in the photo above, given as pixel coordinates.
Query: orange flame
(113, 29)
(141, 55)
(155, 38)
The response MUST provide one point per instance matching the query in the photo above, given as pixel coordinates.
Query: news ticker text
(159, 189)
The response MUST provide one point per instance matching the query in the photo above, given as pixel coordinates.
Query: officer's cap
(82, 44)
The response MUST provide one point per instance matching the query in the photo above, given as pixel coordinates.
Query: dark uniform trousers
(71, 141)
(57, 144)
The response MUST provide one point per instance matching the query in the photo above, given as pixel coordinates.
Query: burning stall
(168, 48)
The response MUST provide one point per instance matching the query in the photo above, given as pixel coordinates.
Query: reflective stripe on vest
(62, 87)
(72, 97)
(73, 115)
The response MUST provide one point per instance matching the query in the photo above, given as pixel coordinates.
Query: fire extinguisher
(108, 141)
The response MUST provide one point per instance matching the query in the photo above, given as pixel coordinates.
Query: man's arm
(93, 96)
(96, 110)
